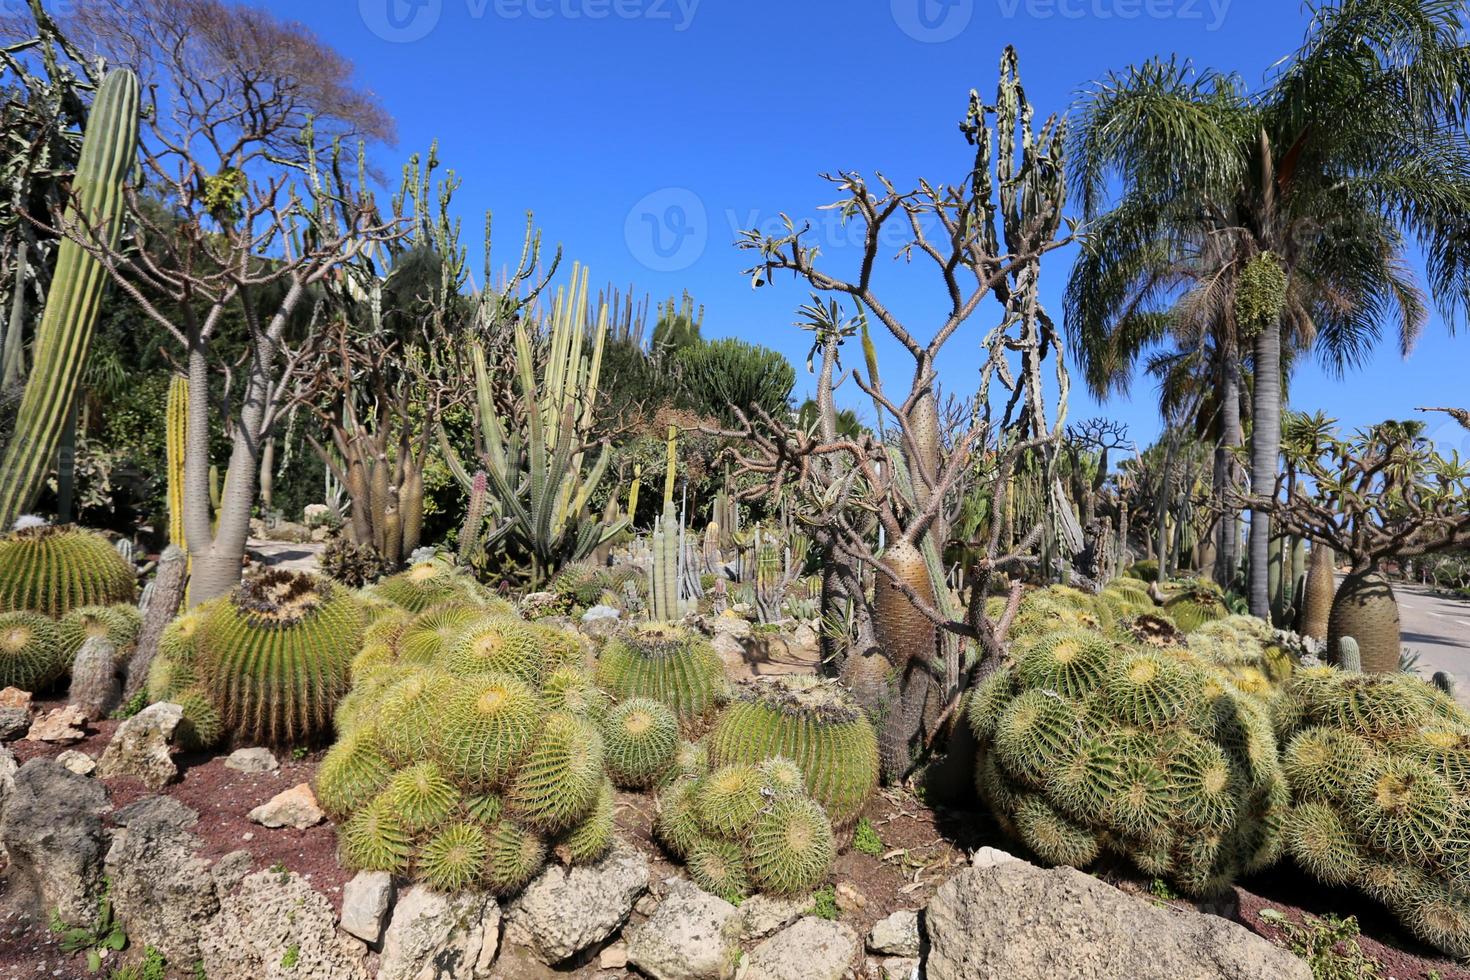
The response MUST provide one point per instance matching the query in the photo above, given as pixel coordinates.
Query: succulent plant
(640, 737)
(421, 796)
(572, 690)
(483, 728)
(516, 855)
(119, 623)
(54, 570)
(407, 713)
(791, 846)
(525, 651)
(275, 655)
(590, 839)
(814, 723)
(375, 839)
(454, 859)
(431, 634)
(354, 565)
(1088, 744)
(30, 651)
(728, 799)
(667, 663)
(560, 777)
(201, 726)
(677, 825)
(433, 582)
(781, 776)
(718, 867)
(1366, 610)
(352, 773)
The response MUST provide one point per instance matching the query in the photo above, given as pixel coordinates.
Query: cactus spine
(64, 336)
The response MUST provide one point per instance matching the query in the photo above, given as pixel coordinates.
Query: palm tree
(1253, 223)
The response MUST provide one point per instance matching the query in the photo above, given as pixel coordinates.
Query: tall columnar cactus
(814, 723)
(539, 478)
(54, 570)
(664, 605)
(668, 664)
(1379, 766)
(274, 655)
(64, 336)
(1317, 595)
(474, 519)
(1154, 755)
(176, 427)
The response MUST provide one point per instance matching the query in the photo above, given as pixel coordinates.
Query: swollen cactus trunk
(1366, 610)
(64, 336)
(1317, 596)
(904, 633)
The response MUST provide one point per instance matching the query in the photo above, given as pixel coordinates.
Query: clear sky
(645, 134)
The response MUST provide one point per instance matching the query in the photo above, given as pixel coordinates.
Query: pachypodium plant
(814, 723)
(468, 778)
(1088, 744)
(274, 655)
(1379, 766)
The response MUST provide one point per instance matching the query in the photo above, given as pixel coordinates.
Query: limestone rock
(14, 697)
(15, 720)
(230, 870)
(692, 936)
(162, 892)
(252, 761)
(812, 949)
(78, 762)
(64, 724)
(1018, 921)
(440, 937)
(365, 901)
(566, 910)
(52, 830)
(989, 857)
(277, 927)
(295, 808)
(731, 650)
(140, 747)
(895, 935)
(601, 620)
(762, 914)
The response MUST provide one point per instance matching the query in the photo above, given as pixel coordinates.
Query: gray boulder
(440, 937)
(567, 910)
(895, 935)
(365, 902)
(812, 949)
(253, 761)
(52, 830)
(140, 747)
(1018, 921)
(161, 891)
(692, 936)
(277, 927)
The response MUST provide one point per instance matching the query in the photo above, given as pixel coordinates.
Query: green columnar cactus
(176, 425)
(64, 336)
(275, 655)
(1086, 745)
(814, 723)
(118, 623)
(474, 520)
(54, 570)
(640, 737)
(30, 651)
(666, 663)
(1379, 766)
(1348, 656)
(664, 605)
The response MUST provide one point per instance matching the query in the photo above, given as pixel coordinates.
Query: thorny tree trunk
(168, 596)
(1227, 530)
(1265, 447)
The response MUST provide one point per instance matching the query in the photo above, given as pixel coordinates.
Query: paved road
(1438, 629)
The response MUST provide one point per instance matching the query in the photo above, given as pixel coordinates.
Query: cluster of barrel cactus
(1092, 740)
(59, 586)
(471, 746)
(812, 722)
(1379, 766)
(746, 827)
(666, 663)
(431, 583)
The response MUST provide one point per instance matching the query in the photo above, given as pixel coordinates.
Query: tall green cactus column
(109, 151)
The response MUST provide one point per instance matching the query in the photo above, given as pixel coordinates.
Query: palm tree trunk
(1265, 448)
(1227, 530)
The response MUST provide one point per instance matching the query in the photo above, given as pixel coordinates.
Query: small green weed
(865, 839)
(153, 967)
(103, 934)
(131, 706)
(824, 903)
(1329, 945)
(292, 957)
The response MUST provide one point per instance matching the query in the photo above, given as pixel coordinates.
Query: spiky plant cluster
(432, 583)
(174, 676)
(744, 828)
(1379, 766)
(1089, 743)
(667, 663)
(814, 723)
(1243, 647)
(585, 584)
(1195, 603)
(119, 623)
(53, 570)
(30, 651)
(469, 747)
(641, 738)
(275, 653)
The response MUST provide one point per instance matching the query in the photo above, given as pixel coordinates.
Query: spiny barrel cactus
(54, 570)
(433, 582)
(667, 663)
(275, 655)
(172, 669)
(30, 651)
(118, 623)
(640, 738)
(527, 651)
(816, 724)
(1087, 744)
(1379, 766)
(428, 636)
(590, 839)
(1195, 605)
(201, 727)
(791, 846)
(353, 771)
(484, 728)
(558, 781)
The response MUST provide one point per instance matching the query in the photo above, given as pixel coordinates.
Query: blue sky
(645, 133)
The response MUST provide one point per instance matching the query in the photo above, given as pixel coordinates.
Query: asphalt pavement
(1438, 629)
